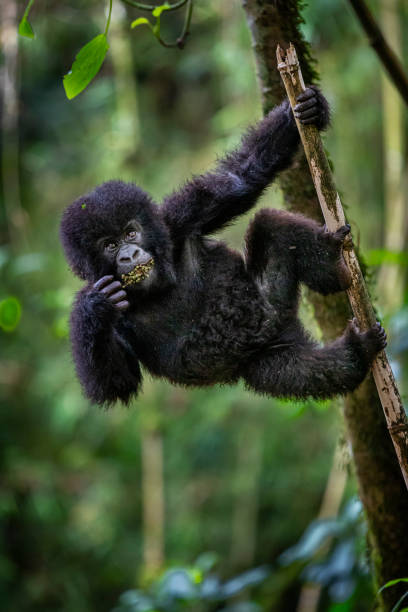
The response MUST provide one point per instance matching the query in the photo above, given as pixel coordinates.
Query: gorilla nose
(128, 254)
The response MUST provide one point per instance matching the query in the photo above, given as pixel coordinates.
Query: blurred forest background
(216, 481)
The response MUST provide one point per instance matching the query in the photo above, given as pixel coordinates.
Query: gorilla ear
(75, 241)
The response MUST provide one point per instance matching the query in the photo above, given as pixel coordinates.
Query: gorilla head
(115, 229)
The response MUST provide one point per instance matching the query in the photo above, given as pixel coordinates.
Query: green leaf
(86, 65)
(377, 257)
(159, 9)
(392, 582)
(10, 313)
(399, 602)
(25, 29)
(141, 21)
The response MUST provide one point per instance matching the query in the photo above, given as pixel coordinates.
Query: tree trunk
(381, 485)
(246, 498)
(391, 279)
(153, 500)
(14, 215)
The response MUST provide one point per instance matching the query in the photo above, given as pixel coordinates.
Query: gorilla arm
(105, 363)
(212, 200)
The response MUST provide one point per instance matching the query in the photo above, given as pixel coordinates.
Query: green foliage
(10, 313)
(378, 257)
(392, 583)
(330, 553)
(159, 9)
(155, 28)
(90, 58)
(141, 21)
(24, 27)
(86, 66)
(193, 588)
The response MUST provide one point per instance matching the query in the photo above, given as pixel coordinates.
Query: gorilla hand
(312, 108)
(113, 292)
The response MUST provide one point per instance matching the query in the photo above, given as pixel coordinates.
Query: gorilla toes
(333, 242)
(342, 232)
(377, 337)
(373, 340)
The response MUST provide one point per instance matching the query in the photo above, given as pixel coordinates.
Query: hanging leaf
(141, 21)
(24, 27)
(86, 66)
(391, 583)
(10, 313)
(159, 9)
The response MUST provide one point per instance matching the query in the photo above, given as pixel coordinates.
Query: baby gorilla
(162, 294)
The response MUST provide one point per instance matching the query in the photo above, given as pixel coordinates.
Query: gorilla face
(118, 230)
(125, 252)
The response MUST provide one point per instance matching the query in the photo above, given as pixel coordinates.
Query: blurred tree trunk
(381, 485)
(153, 500)
(246, 487)
(391, 278)
(336, 483)
(10, 177)
(124, 137)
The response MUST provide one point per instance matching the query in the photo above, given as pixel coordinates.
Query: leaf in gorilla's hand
(86, 65)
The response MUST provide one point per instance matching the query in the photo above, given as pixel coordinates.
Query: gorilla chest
(203, 333)
(229, 326)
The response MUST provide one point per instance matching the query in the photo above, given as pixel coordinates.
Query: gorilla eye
(111, 246)
(131, 234)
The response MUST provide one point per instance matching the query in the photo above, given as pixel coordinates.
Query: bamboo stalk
(333, 214)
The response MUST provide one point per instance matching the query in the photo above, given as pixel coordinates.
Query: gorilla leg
(302, 369)
(284, 248)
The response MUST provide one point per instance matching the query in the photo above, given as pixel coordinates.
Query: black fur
(211, 315)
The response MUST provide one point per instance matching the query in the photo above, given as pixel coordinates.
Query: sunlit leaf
(159, 9)
(10, 313)
(86, 65)
(391, 583)
(140, 21)
(24, 27)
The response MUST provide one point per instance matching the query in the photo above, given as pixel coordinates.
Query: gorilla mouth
(138, 274)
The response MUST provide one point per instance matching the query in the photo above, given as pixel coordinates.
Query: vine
(90, 57)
